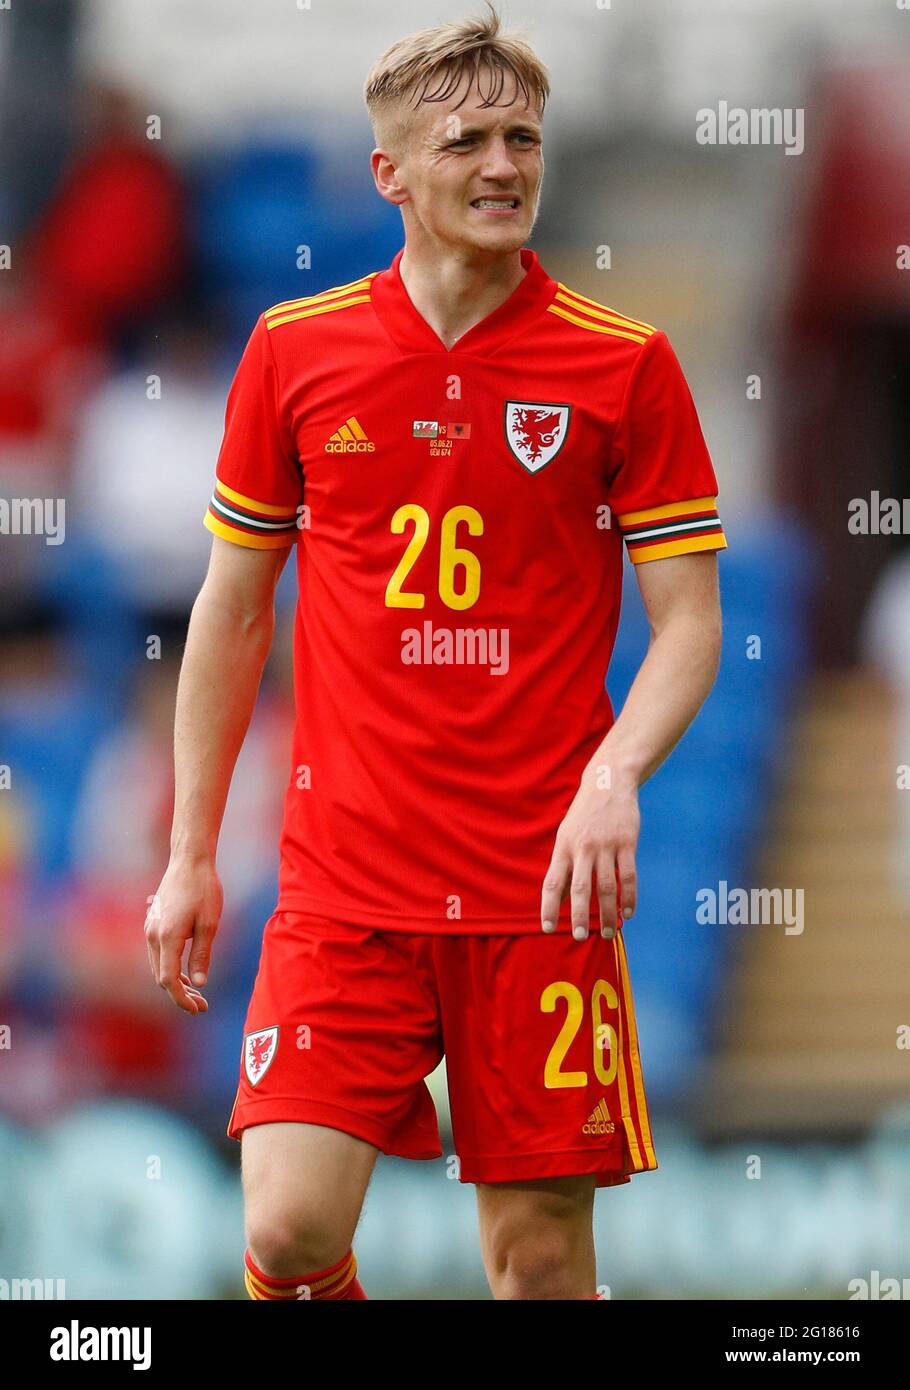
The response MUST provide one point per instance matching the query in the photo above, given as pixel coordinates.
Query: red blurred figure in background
(109, 248)
(112, 243)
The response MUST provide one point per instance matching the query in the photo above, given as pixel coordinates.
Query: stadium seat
(255, 207)
(703, 811)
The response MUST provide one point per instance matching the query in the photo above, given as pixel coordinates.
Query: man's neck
(453, 293)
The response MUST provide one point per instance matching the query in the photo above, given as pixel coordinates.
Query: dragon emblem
(535, 430)
(259, 1053)
(535, 433)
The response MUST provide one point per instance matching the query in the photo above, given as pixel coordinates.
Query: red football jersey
(459, 516)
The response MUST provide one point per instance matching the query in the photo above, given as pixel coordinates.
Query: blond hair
(442, 56)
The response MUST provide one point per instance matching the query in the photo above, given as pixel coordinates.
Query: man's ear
(386, 177)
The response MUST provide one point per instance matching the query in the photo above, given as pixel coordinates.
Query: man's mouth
(501, 205)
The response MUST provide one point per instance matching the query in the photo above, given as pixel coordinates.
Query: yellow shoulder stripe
(596, 327)
(601, 311)
(336, 292)
(318, 309)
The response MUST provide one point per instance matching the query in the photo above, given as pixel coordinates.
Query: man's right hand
(186, 907)
(230, 630)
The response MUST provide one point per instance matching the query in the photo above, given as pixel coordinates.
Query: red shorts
(538, 1033)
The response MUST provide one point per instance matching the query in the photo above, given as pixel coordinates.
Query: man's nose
(498, 162)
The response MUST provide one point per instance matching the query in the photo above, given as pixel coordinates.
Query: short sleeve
(258, 481)
(661, 488)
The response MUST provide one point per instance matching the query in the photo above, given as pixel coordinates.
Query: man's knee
(540, 1249)
(286, 1244)
(538, 1264)
(303, 1189)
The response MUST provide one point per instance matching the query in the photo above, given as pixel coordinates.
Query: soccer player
(458, 447)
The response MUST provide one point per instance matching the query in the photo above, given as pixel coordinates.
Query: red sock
(337, 1282)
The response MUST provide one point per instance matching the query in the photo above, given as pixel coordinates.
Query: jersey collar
(410, 331)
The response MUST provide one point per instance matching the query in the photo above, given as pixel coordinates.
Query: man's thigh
(305, 1177)
(537, 1237)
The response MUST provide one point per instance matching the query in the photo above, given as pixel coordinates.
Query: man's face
(472, 176)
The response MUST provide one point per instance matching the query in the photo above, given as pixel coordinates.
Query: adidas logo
(350, 439)
(599, 1122)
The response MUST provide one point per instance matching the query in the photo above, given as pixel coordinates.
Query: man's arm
(599, 833)
(228, 640)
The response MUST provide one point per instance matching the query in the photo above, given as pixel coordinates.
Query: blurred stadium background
(141, 250)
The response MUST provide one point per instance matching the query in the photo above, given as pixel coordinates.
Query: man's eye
(472, 140)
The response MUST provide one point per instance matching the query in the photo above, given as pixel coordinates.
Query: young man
(459, 447)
